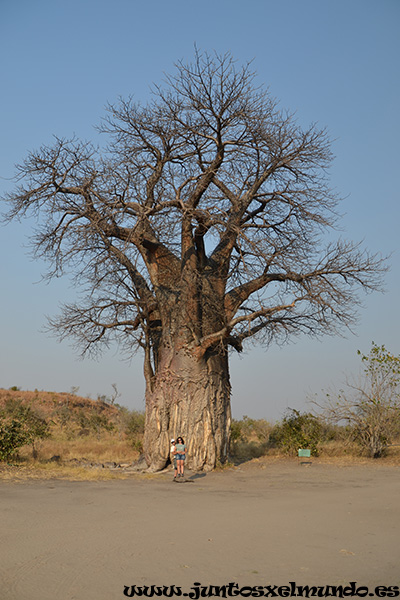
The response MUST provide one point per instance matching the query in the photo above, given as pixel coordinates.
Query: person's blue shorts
(180, 456)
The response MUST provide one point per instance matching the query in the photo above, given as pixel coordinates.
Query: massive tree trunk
(189, 397)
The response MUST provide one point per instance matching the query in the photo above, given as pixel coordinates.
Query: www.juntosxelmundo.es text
(291, 590)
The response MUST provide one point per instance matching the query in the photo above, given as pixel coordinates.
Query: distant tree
(371, 404)
(248, 428)
(197, 229)
(249, 437)
(116, 394)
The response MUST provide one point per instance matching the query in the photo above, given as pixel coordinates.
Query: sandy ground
(260, 525)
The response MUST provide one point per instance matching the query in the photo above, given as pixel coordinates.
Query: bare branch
(202, 221)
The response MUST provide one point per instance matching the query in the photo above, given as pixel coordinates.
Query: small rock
(139, 465)
(55, 458)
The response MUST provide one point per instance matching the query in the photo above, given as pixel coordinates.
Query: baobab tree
(198, 228)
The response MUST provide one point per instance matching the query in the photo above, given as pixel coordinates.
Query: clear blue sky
(334, 62)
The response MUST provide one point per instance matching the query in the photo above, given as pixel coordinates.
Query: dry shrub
(337, 447)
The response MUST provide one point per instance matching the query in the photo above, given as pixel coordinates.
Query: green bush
(237, 433)
(20, 425)
(296, 431)
(12, 437)
(134, 428)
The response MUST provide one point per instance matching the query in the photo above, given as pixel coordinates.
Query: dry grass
(73, 458)
(351, 452)
(47, 471)
(106, 449)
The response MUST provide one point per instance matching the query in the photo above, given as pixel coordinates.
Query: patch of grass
(106, 449)
(46, 471)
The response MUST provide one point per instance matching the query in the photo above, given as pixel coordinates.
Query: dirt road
(261, 525)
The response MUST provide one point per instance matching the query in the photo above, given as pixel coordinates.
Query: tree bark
(189, 397)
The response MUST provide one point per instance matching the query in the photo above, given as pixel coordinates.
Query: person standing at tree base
(173, 458)
(180, 449)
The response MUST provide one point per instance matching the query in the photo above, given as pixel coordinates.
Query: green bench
(304, 453)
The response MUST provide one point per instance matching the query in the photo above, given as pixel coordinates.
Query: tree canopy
(210, 174)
